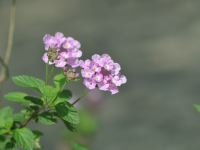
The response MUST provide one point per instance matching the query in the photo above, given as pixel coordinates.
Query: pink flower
(102, 72)
(70, 43)
(98, 77)
(89, 83)
(61, 51)
(53, 42)
(87, 73)
(60, 62)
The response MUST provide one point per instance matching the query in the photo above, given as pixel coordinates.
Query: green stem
(27, 121)
(47, 71)
(62, 88)
(34, 114)
(52, 71)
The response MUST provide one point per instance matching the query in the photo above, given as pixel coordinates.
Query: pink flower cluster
(61, 51)
(99, 72)
(102, 72)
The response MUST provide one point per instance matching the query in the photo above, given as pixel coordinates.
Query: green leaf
(34, 100)
(10, 144)
(2, 138)
(70, 126)
(67, 113)
(59, 80)
(49, 93)
(22, 115)
(19, 117)
(63, 97)
(77, 146)
(18, 97)
(23, 98)
(6, 119)
(47, 118)
(29, 82)
(2, 142)
(197, 107)
(37, 135)
(7, 144)
(24, 138)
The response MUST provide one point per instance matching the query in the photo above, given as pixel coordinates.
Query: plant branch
(4, 72)
(84, 95)
(34, 114)
(11, 32)
(28, 120)
(76, 101)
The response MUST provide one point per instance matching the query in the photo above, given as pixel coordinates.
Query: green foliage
(60, 80)
(6, 120)
(49, 93)
(85, 129)
(29, 82)
(77, 146)
(18, 97)
(37, 135)
(23, 98)
(67, 113)
(24, 138)
(34, 100)
(51, 105)
(21, 116)
(47, 118)
(63, 97)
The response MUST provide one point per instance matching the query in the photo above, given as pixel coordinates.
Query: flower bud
(52, 54)
(71, 74)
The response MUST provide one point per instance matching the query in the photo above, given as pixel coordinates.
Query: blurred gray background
(157, 43)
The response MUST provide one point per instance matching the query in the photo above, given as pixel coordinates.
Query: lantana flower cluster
(98, 72)
(61, 50)
(102, 72)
